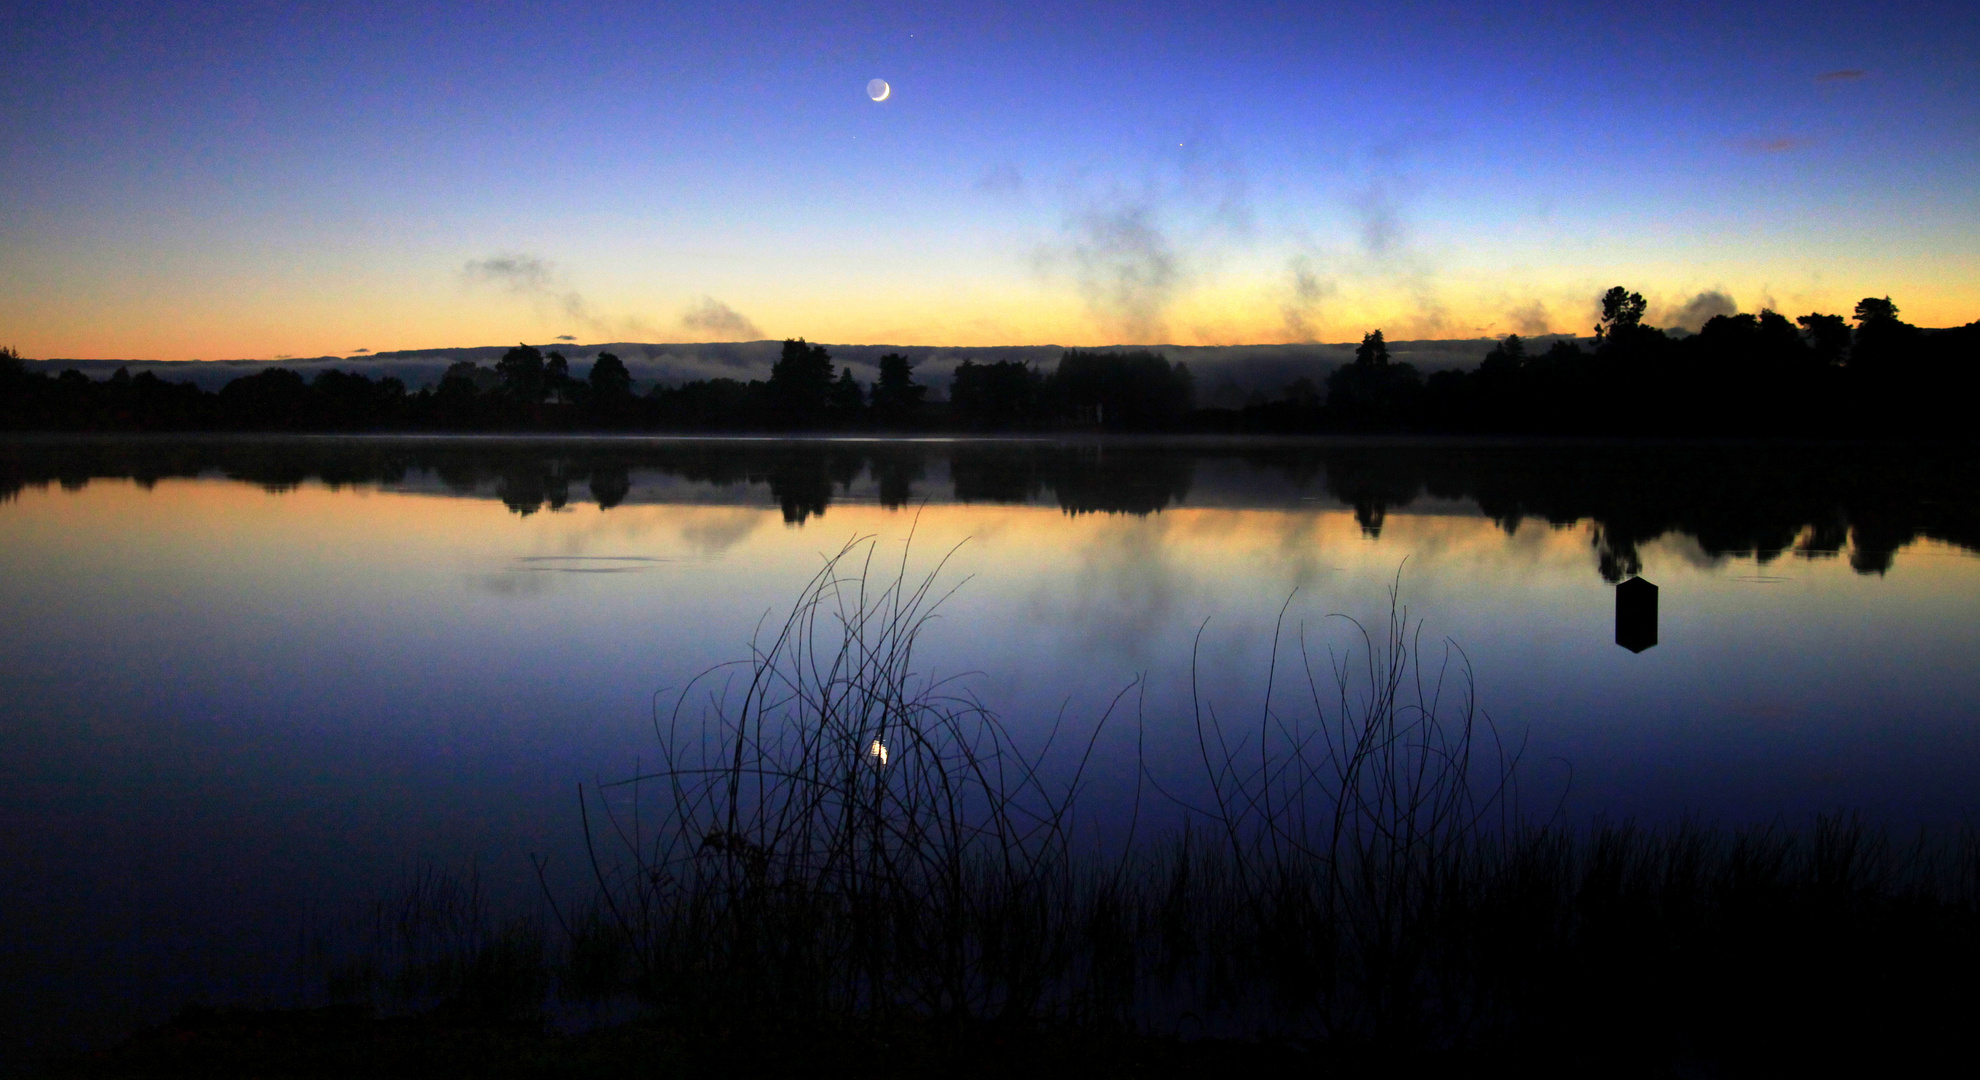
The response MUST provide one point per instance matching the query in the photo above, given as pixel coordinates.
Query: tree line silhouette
(1813, 501)
(1740, 374)
(1814, 376)
(528, 390)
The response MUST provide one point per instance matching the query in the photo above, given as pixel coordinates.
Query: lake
(250, 680)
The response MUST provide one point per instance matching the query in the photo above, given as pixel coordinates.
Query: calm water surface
(247, 680)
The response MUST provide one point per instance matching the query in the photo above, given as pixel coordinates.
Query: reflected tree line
(803, 479)
(1864, 502)
(1819, 501)
(1820, 375)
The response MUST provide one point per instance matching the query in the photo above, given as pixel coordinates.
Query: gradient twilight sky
(261, 179)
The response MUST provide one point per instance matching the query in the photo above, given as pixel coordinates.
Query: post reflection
(1636, 615)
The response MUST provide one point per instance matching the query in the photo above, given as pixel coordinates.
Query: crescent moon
(878, 90)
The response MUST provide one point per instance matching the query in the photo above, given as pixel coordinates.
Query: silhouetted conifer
(897, 399)
(522, 372)
(1373, 393)
(801, 384)
(609, 379)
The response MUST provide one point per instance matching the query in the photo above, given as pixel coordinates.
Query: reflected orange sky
(353, 535)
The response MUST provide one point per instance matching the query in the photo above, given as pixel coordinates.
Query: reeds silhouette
(836, 842)
(435, 943)
(836, 835)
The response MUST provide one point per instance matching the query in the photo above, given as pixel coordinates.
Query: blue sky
(267, 179)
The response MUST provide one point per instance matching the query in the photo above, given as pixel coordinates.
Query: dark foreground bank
(1688, 951)
(344, 1041)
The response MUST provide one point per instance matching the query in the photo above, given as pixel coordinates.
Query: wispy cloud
(722, 322)
(1003, 179)
(1302, 307)
(1699, 310)
(1125, 266)
(1845, 75)
(1212, 179)
(1378, 219)
(518, 273)
(535, 279)
(1529, 318)
(1388, 246)
(1132, 249)
(1780, 145)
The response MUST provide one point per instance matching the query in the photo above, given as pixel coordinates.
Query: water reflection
(1816, 501)
(220, 702)
(585, 564)
(1636, 615)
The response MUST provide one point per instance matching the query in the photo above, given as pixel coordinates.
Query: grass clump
(839, 855)
(831, 836)
(435, 945)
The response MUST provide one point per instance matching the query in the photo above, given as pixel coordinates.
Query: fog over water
(248, 678)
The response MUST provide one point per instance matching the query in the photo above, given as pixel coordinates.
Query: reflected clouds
(711, 532)
(584, 564)
(1129, 584)
(511, 585)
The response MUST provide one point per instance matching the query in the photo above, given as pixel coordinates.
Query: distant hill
(1226, 375)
